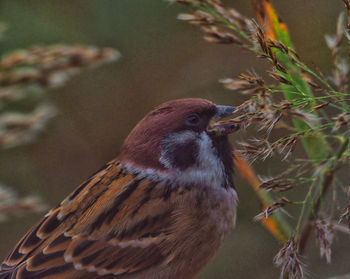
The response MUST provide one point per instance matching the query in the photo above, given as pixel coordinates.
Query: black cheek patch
(185, 155)
(182, 155)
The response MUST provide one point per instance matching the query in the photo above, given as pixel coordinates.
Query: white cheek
(208, 170)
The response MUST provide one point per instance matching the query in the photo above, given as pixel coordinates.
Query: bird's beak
(220, 126)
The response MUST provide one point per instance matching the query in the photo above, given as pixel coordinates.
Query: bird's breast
(202, 221)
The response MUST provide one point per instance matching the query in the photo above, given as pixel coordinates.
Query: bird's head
(182, 136)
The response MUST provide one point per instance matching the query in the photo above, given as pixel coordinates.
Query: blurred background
(162, 59)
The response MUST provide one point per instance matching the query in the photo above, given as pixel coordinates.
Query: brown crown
(143, 145)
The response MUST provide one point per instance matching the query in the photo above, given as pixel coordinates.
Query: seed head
(289, 260)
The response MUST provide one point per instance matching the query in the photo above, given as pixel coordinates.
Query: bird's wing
(114, 223)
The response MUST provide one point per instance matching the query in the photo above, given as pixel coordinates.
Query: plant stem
(326, 182)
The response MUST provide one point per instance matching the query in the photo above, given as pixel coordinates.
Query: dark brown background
(162, 59)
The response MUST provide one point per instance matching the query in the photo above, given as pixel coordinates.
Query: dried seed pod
(320, 106)
(276, 185)
(324, 233)
(289, 144)
(340, 120)
(198, 18)
(17, 128)
(345, 216)
(271, 209)
(289, 260)
(280, 78)
(214, 34)
(50, 66)
(245, 84)
(334, 42)
(278, 45)
(10, 204)
(340, 74)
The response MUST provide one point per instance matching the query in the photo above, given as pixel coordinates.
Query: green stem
(307, 197)
(325, 182)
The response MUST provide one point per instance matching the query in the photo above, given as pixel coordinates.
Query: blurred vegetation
(25, 75)
(293, 106)
(162, 59)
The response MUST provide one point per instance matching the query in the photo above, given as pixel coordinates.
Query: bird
(160, 210)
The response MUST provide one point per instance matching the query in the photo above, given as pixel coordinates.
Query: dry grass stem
(19, 128)
(276, 185)
(272, 208)
(11, 205)
(289, 260)
(49, 66)
(325, 233)
(345, 216)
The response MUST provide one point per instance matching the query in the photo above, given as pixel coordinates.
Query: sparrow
(160, 210)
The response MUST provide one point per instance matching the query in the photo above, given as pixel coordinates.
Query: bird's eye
(192, 119)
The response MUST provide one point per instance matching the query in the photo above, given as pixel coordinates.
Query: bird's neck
(213, 167)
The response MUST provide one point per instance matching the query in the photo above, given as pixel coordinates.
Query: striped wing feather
(98, 229)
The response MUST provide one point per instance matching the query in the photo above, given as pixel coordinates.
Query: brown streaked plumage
(160, 210)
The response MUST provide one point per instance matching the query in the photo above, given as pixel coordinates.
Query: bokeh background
(162, 59)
